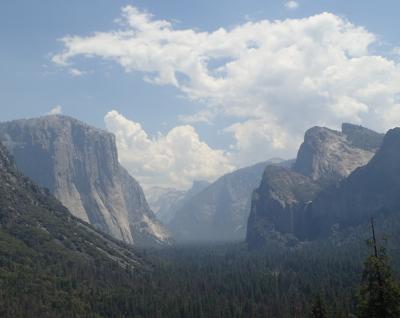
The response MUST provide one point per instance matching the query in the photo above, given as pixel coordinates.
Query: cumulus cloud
(56, 110)
(174, 159)
(259, 139)
(292, 5)
(274, 79)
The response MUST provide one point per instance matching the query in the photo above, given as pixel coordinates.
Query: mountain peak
(328, 155)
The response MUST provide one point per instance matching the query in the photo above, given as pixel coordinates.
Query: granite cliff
(36, 226)
(370, 191)
(277, 206)
(281, 205)
(328, 155)
(79, 165)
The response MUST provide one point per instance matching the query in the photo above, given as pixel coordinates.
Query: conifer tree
(379, 293)
(319, 308)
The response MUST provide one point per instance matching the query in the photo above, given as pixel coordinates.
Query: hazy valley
(199, 159)
(314, 210)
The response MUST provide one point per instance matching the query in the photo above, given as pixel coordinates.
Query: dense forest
(219, 281)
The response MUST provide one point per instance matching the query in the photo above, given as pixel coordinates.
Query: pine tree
(379, 293)
(319, 308)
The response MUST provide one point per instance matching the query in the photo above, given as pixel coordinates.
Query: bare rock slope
(328, 155)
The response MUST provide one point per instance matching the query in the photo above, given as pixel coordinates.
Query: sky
(196, 89)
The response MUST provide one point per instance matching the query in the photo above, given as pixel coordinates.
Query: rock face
(219, 212)
(278, 205)
(372, 190)
(166, 201)
(281, 205)
(35, 224)
(362, 137)
(79, 165)
(328, 156)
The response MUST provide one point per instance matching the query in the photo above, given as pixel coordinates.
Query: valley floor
(194, 281)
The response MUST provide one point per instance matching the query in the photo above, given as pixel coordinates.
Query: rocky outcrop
(278, 204)
(79, 165)
(220, 211)
(281, 206)
(370, 191)
(329, 156)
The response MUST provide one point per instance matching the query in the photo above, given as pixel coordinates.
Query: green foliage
(380, 293)
(192, 282)
(319, 309)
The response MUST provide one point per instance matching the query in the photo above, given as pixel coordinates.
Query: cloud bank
(176, 158)
(274, 79)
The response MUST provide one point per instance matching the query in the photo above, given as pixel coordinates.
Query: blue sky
(32, 82)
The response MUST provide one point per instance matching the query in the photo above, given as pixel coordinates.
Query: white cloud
(174, 159)
(203, 116)
(259, 139)
(75, 72)
(292, 5)
(56, 110)
(275, 79)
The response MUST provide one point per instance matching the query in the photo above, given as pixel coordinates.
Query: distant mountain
(220, 211)
(197, 187)
(281, 205)
(79, 165)
(162, 202)
(166, 201)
